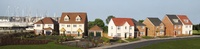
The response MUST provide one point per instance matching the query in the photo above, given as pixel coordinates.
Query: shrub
(107, 40)
(147, 37)
(132, 39)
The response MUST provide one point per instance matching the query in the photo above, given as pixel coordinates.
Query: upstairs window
(78, 18)
(118, 28)
(175, 20)
(38, 25)
(66, 18)
(186, 20)
(125, 27)
(49, 25)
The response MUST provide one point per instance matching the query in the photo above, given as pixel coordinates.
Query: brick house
(140, 28)
(155, 27)
(173, 25)
(187, 25)
(46, 26)
(73, 24)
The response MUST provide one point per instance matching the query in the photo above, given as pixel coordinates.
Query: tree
(109, 18)
(99, 22)
(140, 21)
(91, 24)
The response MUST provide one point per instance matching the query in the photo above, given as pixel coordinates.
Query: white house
(45, 26)
(73, 24)
(187, 25)
(121, 27)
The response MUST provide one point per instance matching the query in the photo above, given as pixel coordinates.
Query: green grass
(164, 36)
(176, 44)
(50, 45)
(195, 32)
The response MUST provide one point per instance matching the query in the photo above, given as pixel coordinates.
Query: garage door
(48, 32)
(91, 34)
(98, 34)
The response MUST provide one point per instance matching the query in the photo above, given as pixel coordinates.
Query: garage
(48, 32)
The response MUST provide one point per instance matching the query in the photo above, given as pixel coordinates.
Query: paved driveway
(145, 42)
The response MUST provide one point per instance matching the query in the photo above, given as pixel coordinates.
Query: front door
(125, 35)
(78, 34)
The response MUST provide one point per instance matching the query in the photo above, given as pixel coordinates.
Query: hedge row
(17, 41)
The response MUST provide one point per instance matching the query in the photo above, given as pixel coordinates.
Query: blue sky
(137, 9)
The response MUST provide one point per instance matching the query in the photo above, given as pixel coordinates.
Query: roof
(183, 18)
(72, 17)
(48, 28)
(155, 21)
(172, 17)
(121, 21)
(138, 23)
(46, 20)
(96, 28)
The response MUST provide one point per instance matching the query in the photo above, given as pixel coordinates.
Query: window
(130, 34)
(111, 34)
(49, 25)
(125, 27)
(74, 25)
(175, 26)
(38, 25)
(162, 27)
(186, 26)
(143, 27)
(74, 32)
(190, 26)
(111, 27)
(179, 32)
(68, 31)
(80, 25)
(62, 25)
(186, 20)
(186, 31)
(142, 33)
(66, 18)
(78, 18)
(68, 25)
(119, 34)
(130, 27)
(175, 20)
(118, 28)
(179, 26)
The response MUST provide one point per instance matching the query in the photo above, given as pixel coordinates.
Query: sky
(136, 9)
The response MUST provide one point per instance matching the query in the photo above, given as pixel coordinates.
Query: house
(121, 27)
(46, 26)
(187, 25)
(173, 25)
(155, 27)
(140, 28)
(73, 24)
(96, 31)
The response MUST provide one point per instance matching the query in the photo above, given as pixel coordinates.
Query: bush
(132, 39)
(107, 40)
(147, 37)
(163, 36)
(121, 41)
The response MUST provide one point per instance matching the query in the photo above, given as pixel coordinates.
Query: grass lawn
(176, 44)
(50, 45)
(195, 32)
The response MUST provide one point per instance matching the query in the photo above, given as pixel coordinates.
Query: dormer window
(66, 18)
(175, 20)
(186, 20)
(78, 18)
